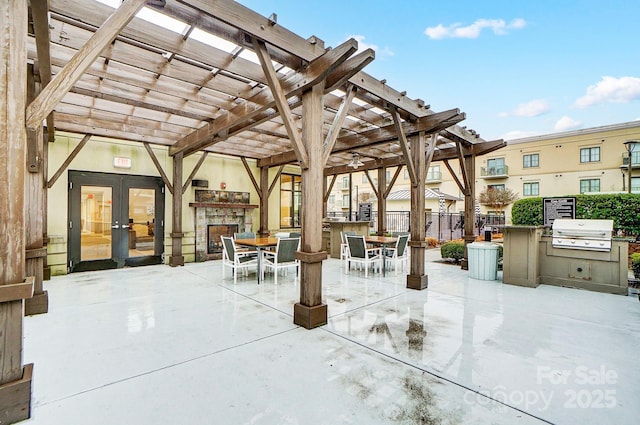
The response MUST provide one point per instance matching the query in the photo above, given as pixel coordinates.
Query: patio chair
(283, 258)
(237, 260)
(244, 235)
(357, 252)
(399, 254)
(344, 249)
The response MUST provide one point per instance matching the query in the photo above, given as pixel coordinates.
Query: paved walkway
(161, 345)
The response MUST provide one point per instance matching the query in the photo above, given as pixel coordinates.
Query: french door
(115, 220)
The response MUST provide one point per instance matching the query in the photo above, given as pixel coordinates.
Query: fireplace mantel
(222, 205)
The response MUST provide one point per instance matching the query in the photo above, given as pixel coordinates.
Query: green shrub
(622, 208)
(453, 250)
(635, 264)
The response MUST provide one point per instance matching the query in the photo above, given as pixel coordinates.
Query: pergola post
(382, 201)
(15, 379)
(417, 279)
(310, 312)
(177, 259)
(469, 207)
(264, 201)
(36, 251)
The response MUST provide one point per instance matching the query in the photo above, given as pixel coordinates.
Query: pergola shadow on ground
(466, 351)
(223, 80)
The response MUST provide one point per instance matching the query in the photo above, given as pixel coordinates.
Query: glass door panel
(96, 214)
(141, 222)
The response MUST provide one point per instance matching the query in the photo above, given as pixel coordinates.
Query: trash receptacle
(483, 260)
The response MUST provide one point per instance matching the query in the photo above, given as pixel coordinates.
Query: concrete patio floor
(159, 345)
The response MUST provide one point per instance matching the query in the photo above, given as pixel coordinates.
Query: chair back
(343, 235)
(401, 245)
(244, 235)
(229, 247)
(357, 246)
(286, 249)
(294, 235)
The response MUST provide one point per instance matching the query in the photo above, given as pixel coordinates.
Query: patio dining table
(383, 241)
(259, 244)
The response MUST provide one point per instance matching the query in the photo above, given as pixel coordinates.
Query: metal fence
(443, 227)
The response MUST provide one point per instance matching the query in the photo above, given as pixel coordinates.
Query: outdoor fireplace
(219, 213)
(214, 231)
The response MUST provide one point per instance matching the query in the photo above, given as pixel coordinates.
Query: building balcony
(635, 160)
(501, 172)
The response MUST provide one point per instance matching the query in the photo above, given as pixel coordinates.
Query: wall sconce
(355, 161)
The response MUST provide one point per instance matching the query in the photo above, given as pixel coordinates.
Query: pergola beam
(62, 82)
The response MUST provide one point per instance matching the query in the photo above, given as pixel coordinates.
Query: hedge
(454, 250)
(635, 264)
(623, 209)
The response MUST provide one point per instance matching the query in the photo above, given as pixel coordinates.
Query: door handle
(115, 226)
(124, 226)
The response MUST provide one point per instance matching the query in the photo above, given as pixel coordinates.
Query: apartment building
(593, 160)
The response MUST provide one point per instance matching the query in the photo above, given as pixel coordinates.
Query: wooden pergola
(217, 78)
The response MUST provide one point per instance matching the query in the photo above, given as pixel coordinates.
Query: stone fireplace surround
(210, 210)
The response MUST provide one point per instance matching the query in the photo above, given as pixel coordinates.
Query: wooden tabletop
(383, 240)
(257, 242)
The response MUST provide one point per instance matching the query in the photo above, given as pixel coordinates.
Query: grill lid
(583, 234)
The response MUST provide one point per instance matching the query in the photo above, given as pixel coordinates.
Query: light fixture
(355, 161)
(631, 146)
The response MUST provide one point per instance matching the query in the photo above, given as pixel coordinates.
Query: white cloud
(362, 45)
(498, 26)
(610, 90)
(566, 123)
(532, 108)
(518, 134)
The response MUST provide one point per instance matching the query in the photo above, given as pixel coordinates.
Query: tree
(497, 199)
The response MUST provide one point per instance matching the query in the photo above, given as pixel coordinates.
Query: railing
(499, 171)
(434, 176)
(635, 159)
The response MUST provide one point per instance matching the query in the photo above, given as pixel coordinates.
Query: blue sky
(516, 68)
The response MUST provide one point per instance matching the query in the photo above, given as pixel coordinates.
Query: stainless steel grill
(594, 235)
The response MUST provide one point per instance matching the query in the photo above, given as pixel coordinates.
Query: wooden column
(177, 259)
(264, 202)
(36, 251)
(15, 379)
(382, 201)
(469, 206)
(310, 312)
(417, 279)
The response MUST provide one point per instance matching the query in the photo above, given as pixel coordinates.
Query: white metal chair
(237, 260)
(283, 258)
(359, 253)
(344, 248)
(399, 254)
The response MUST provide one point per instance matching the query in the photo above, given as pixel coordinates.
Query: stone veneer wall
(243, 217)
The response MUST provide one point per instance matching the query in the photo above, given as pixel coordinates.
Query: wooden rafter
(275, 179)
(404, 145)
(67, 161)
(60, 85)
(187, 182)
(256, 186)
(165, 179)
(39, 13)
(341, 115)
(281, 103)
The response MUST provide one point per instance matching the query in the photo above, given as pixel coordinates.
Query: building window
(345, 201)
(345, 182)
(332, 199)
(495, 187)
(406, 174)
(364, 178)
(590, 154)
(531, 189)
(434, 173)
(531, 160)
(290, 200)
(635, 184)
(589, 185)
(496, 167)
